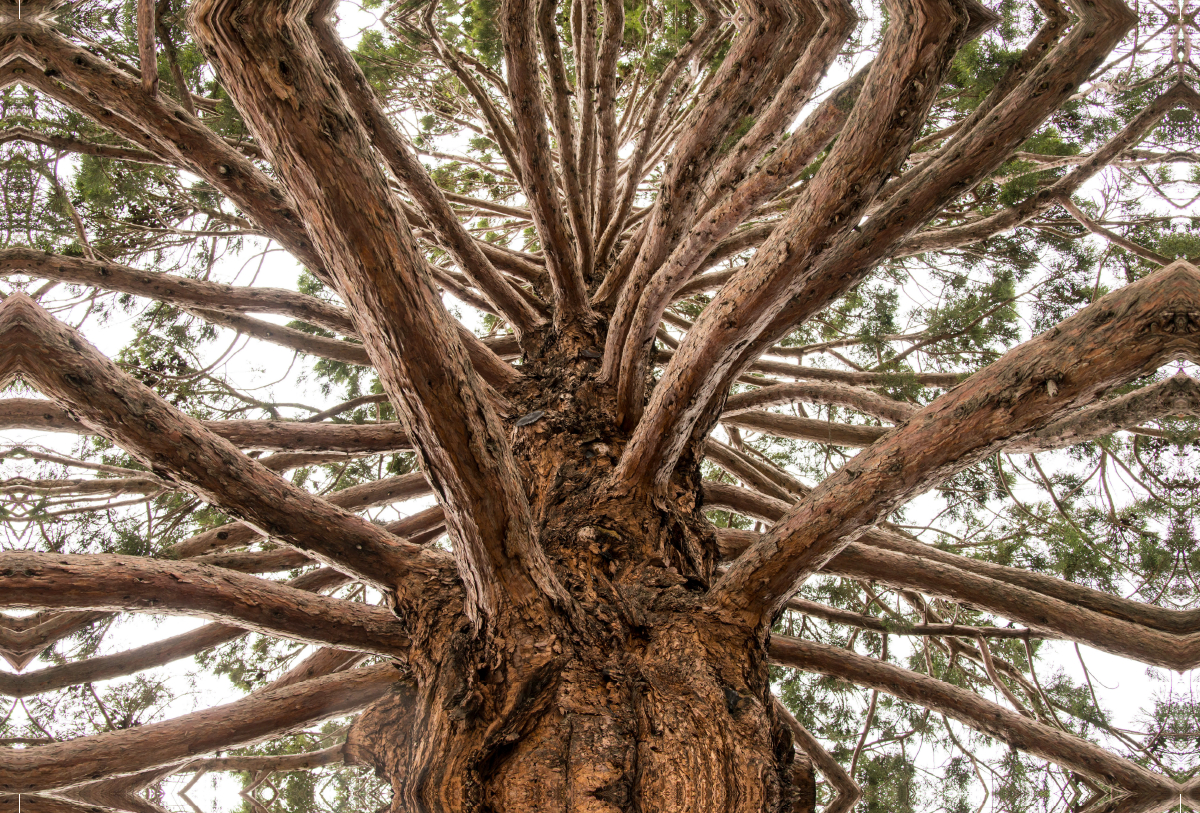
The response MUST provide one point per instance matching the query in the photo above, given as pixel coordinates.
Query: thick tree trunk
(635, 700)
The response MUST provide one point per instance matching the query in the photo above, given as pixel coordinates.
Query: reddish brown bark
(243, 722)
(1039, 381)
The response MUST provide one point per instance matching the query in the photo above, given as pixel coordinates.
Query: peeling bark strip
(110, 582)
(179, 449)
(243, 722)
(1031, 385)
(364, 240)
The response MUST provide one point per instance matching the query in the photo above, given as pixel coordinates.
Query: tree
(659, 212)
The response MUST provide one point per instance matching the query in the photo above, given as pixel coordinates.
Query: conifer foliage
(655, 405)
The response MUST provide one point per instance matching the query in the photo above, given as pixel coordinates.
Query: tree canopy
(812, 379)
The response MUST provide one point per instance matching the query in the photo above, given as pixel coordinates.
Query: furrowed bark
(243, 722)
(107, 667)
(110, 582)
(326, 159)
(969, 708)
(179, 449)
(518, 27)
(1030, 386)
(917, 49)
(147, 57)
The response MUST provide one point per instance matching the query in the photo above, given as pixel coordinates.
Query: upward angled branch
(428, 196)
(270, 59)
(178, 448)
(918, 47)
(1033, 384)
(518, 27)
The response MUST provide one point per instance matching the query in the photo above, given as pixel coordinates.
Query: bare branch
(243, 722)
(361, 232)
(110, 582)
(178, 448)
(1030, 386)
(967, 707)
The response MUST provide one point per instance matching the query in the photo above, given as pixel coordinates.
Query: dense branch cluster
(803, 374)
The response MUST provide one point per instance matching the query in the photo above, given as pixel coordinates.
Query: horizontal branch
(333, 755)
(107, 667)
(366, 495)
(1132, 629)
(174, 289)
(1009, 727)
(243, 722)
(792, 426)
(109, 582)
(179, 448)
(264, 436)
(1117, 338)
(1177, 396)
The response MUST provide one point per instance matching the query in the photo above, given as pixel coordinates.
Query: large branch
(768, 26)
(1153, 792)
(1108, 343)
(243, 722)
(107, 667)
(1179, 395)
(110, 582)
(355, 498)
(791, 426)
(234, 300)
(918, 47)
(863, 400)
(265, 436)
(1015, 109)
(325, 157)
(1131, 629)
(180, 449)
(518, 29)
(1010, 218)
(174, 289)
(399, 156)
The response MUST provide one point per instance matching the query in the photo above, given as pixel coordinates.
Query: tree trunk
(634, 699)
